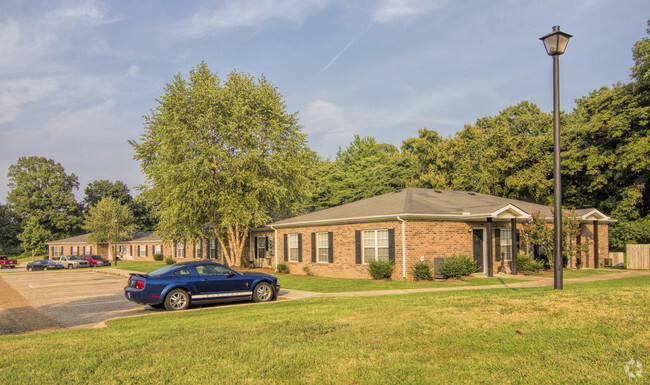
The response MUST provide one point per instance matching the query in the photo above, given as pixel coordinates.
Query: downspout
(275, 246)
(403, 246)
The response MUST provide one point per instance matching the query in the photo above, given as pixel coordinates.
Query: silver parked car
(73, 262)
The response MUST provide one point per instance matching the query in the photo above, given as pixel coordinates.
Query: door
(260, 251)
(479, 249)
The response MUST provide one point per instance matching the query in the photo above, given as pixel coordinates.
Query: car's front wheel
(263, 292)
(29, 268)
(44, 268)
(70, 266)
(177, 299)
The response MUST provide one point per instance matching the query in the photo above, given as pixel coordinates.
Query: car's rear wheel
(263, 292)
(44, 268)
(70, 266)
(177, 299)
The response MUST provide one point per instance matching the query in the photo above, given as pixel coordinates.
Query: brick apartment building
(405, 226)
(412, 225)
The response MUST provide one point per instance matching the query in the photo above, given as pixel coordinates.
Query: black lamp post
(555, 44)
(115, 244)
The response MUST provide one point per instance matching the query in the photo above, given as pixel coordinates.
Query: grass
(581, 272)
(338, 285)
(141, 266)
(583, 334)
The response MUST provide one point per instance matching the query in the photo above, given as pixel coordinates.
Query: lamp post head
(556, 41)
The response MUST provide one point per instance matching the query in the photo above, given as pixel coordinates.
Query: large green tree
(108, 217)
(9, 230)
(221, 157)
(100, 189)
(362, 170)
(34, 236)
(40, 188)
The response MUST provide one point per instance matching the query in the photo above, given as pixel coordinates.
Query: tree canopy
(106, 218)
(100, 189)
(223, 154)
(40, 188)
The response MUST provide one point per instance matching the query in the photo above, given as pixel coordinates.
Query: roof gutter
(403, 246)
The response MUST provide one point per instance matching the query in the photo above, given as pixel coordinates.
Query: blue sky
(77, 76)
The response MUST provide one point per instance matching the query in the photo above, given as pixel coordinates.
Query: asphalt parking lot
(51, 300)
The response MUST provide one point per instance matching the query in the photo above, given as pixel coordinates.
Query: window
(213, 248)
(293, 248)
(74, 250)
(322, 242)
(505, 240)
(88, 250)
(180, 250)
(157, 249)
(182, 272)
(142, 250)
(57, 251)
(375, 245)
(198, 248)
(212, 270)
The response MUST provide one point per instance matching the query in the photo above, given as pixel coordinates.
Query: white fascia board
(510, 207)
(395, 217)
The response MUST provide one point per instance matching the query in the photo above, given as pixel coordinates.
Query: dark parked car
(95, 260)
(44, 264)
(177, 286)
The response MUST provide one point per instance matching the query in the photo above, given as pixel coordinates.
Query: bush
(169, 260)
(283, 268)
(457, 266)
(422, 271)
(381, 269)
(526, 262)
(158, 257)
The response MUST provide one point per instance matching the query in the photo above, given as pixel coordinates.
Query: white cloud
(15, 93)
(398, 10)
(247, 13)
(133, 71)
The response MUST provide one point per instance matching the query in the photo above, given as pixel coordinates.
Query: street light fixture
(555, 44)
(115, 244)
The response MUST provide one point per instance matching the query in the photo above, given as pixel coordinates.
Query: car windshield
(48, 262)
(97, 257)
(75, 258)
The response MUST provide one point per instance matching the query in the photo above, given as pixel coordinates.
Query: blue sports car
(176, 286)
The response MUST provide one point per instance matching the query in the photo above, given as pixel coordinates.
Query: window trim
(290, 239)
(325, 234)
(376, 247)
(505, 247)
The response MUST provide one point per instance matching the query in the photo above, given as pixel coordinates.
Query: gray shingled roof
(422, 203)
(140, 236)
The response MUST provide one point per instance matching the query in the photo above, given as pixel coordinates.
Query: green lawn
(581, 273)
(583, 334)
(141, 266)
(337, 285)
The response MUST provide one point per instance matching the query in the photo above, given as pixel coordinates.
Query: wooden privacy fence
(638, 257)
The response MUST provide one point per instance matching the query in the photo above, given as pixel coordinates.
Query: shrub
(283, 268)
(169, 260)
(422, 271)
(158, 257)
(381, 269)
(526, 262)
(457, 266)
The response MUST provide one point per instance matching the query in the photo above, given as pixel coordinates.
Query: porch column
(595, 244)
(490, 244)
(578, 244)
(514, 244)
